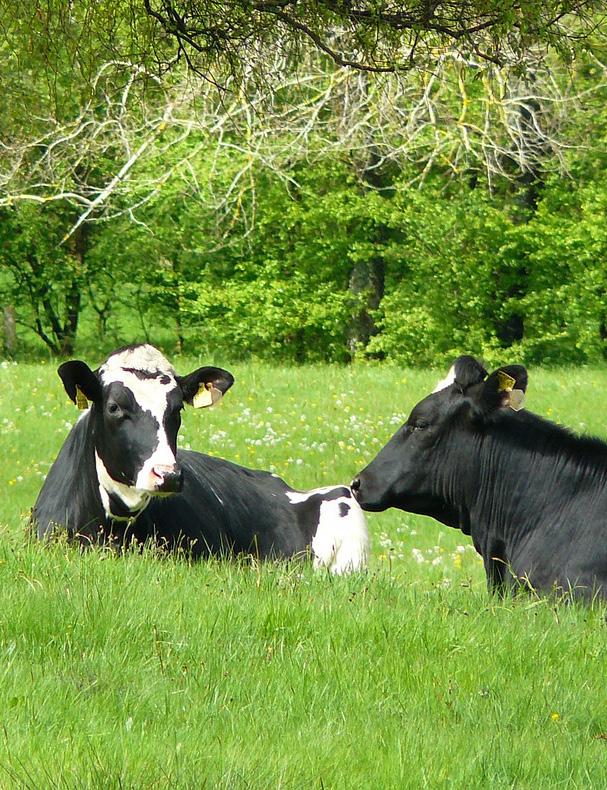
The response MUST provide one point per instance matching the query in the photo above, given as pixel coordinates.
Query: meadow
(145, 672)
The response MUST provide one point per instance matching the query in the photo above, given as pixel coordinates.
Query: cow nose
(170, 479)
(355, 484)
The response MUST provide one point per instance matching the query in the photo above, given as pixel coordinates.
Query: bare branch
(127, 143)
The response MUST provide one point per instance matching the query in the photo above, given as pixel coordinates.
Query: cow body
(532, 495)
(182, 499)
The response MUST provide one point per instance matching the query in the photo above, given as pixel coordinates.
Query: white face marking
(144, 357)
(151, 395)
(447, 381)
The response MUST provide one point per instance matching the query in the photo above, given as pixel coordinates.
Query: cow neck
(115, 496)
(506, 481)
(117, 511)
(70, 494)
(458, 479)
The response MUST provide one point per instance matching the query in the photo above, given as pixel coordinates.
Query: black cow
(120, 478)
(532, 495)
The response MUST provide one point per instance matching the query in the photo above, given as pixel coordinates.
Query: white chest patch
(134, 498)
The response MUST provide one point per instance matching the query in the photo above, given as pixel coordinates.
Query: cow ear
(465, 372)
(205, 386)
(505, 387)
(81, 384)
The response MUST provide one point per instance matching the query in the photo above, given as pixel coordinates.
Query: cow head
(412, 472)
(135, 400)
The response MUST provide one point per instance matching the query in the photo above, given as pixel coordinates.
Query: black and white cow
(532, 495)
(120, 477)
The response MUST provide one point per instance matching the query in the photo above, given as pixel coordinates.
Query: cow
(531, 494)
(119, 477)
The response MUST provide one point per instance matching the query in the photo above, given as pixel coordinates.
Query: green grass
(137, 672)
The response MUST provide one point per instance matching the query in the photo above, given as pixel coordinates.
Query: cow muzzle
(167, 479)
(356, 486)
(364, 495)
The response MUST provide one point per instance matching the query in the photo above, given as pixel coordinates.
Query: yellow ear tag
(207, 395)
(516, 400)
(505, 383)
(81, 400)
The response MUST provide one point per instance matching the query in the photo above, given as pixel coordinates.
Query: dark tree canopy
(371, 35)
(221, 37)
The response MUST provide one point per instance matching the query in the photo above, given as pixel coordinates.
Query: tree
(219, 37)
(47, 280)
(399, 94)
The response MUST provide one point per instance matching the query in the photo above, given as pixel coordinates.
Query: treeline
(330, 255)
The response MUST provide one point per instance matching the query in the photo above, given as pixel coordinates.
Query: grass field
(141, 672)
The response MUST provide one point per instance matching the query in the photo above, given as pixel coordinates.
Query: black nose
(172, 482)
(355, 484)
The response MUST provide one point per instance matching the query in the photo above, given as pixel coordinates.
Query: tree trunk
(179, 331)
(367, 278)
(511, 329)
(367, 285)
(73, 298)
(73, 301)
(9, 330)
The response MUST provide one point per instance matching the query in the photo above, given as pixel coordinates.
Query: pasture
(140, 671)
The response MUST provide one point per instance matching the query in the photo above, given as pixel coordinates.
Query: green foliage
(459, 264)
(283, 292)
(272, 317)
(445, 286)
(564, 250)
(43, 278)
(325, 255)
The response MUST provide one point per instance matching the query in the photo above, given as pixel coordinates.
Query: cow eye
(114, 409)
(420, 425)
